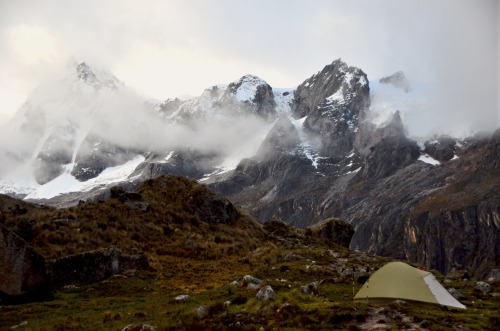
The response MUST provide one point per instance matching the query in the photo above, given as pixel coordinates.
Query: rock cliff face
(92, 267)
(382, 183)
(22, 269)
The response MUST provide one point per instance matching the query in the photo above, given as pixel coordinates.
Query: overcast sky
(176, 47)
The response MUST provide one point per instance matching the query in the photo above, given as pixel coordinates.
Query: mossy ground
(189, 256)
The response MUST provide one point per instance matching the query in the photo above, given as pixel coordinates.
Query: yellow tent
(398, 280)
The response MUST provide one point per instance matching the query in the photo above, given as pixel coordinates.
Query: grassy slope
(189, 256)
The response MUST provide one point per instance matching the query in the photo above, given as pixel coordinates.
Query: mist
(65, 113)
(448, 49)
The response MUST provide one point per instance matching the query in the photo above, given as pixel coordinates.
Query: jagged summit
(97, 80)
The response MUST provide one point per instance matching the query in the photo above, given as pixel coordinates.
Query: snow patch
(427, 159)
(67, 183)
(248, 88)
(353, 171)
(283, 98)
(306, 147)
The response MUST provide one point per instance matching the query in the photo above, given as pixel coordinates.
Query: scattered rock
(131, 273)
(182, 298)
(266, 293)
(290, 256)
(494, 276)
(139, 327)
(456, 274)
(310, 289)
(64, 221)
(141, 206)
(251, 282)
(456, 293)
(23, 323)
(201, 311)
(483, 287)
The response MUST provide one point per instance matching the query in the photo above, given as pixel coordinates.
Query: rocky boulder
(22, 269)
(456, 293)
(93, 266)
(310, 289)
(442, 148)
(211, 207)
(494, 276)
(251, 282)
(334, 229)
(389, 155)
(266, 293)
(483, 287)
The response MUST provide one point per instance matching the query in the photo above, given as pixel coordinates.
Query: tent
(398, 280)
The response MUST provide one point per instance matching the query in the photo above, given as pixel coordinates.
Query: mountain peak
(96, 78)
(85, 73)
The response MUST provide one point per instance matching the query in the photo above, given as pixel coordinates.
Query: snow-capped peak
(246, 87)
(96, 78)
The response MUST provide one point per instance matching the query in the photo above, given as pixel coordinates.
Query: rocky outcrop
(22, 270)
(266, 293)
(211, 207)
(91, 267)
(335, 230)
(442, 148)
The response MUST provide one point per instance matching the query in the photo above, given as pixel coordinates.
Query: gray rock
(310, 289)
(182, 298)
(266, 293)
(201, 311)
(400, 302)
(483, 287)
(20, 325)
(251, 282)
(442, 148)
(456, 293)
(93, 266)
(456, 274)
(290, 256)
(140, 327)
(334, 229)
(22, 270)
(494, 276)
(141, 206)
